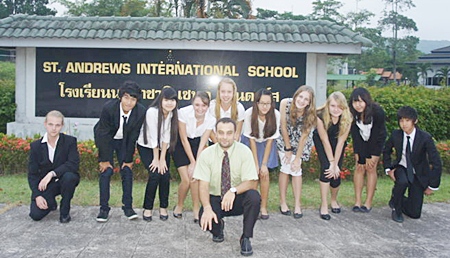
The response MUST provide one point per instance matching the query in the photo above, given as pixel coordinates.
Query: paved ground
(346, 235)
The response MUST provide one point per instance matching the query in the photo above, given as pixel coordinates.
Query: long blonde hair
(309, 114)
(345, 120)
(234, 111)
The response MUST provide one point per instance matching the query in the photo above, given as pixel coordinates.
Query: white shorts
(286, 168)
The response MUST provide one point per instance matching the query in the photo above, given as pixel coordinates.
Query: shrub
(7, 103)
(14, 159)
(432, 105)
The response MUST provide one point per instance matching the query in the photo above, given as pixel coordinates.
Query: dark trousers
(155, 179)
(247, 203)
(65, 186)
(126, 175)
(411, 205)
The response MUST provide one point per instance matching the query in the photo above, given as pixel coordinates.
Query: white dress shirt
(187, 116)
(151, 118)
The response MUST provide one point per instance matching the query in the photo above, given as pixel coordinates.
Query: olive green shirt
(209, 166)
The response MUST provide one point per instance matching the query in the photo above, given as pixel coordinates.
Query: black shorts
(180, 157)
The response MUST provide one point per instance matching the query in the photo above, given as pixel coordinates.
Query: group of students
(281, 138)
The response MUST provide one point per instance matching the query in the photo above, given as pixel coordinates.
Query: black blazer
(66, 159)
(423, 155)
(107, 127)
(374, 146)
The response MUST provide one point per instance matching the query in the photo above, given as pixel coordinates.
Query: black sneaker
(102, 216)
(219, 238)
(130, 214)
(246, 246)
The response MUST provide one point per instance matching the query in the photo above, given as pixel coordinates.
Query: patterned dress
(295, 133)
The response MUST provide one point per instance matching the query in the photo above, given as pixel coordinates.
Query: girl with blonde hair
(298, 120)
(333, 126)
(226, 105)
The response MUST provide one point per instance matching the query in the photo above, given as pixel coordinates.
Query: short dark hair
(130, 87)
(407, 112)
(226, 120)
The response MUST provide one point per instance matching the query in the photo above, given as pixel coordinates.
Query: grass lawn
(14, 190)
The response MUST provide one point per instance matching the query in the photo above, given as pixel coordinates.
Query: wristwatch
(233, 190)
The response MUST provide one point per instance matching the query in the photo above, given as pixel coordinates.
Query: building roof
(187, 29)
(350, 77)
(439, 56)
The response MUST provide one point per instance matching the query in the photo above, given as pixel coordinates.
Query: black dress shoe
(246, 246)
(163, 217)
(177, 215)
(397, 217)
(219, 238)
(287, 213)
(65, 218)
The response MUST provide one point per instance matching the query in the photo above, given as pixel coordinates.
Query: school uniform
(427, 169)
(194, 134)
(111, 135)
(145, 149)
(261, 142)
(64, 160)
(368, 139)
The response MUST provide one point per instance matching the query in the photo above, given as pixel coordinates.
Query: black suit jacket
(66, 159)
(107, 127)
(423, 155)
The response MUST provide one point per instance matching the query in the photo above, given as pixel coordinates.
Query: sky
(429, 15)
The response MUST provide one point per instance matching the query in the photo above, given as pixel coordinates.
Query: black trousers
(247, 203)
(411, 205)
(155, 179)
(127, 179)
(65, 186)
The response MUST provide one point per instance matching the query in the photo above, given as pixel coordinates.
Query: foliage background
(7, 94)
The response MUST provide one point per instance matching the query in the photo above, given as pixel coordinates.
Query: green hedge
(7, 94)
(432, 105)
(14, 159)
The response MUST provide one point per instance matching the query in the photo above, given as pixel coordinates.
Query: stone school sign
(75, 64)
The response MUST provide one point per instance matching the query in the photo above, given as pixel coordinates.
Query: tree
(423, 69)
(38, 7)
(134, 8)
(234, 9)
(266, 14)
(327, 10)
(443, 73)
(393, 20)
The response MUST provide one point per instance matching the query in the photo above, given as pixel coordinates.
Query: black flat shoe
(264, 216)
(356, 209)
(298, 215)
(146, 218)
(365, 209)
(287, 213)
(163, 217)
(325, 216)
(336, 210)
(177, 215)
